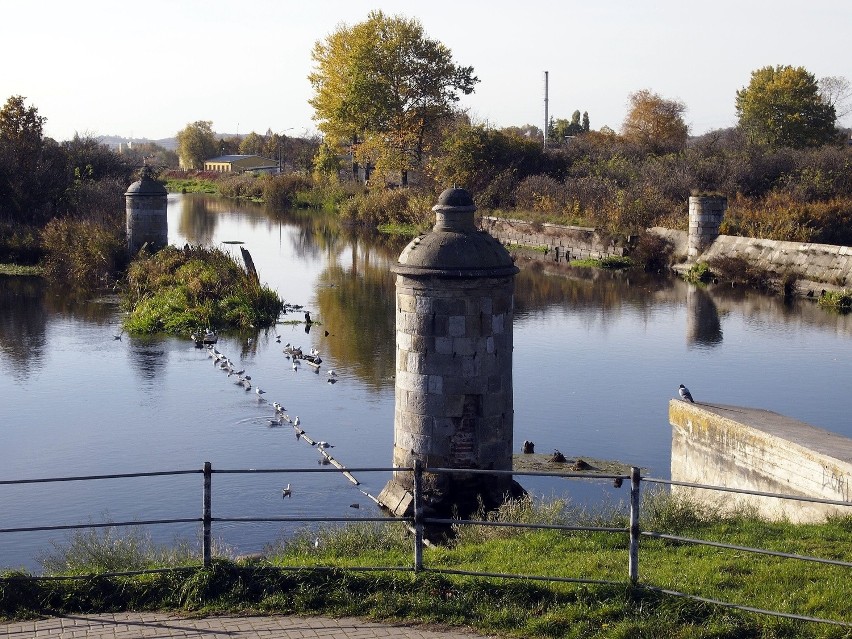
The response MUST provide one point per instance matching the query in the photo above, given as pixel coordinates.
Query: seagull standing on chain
(685, 395)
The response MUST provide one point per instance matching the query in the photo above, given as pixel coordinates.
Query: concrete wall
(759, 450)
(560, 241)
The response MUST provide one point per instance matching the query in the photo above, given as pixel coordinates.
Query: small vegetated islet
(178, 290)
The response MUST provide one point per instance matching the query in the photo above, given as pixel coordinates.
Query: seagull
(296, 421)
(259, 391)
(685, 395)
(295, 365)
(285, 492)
(322, 445)
(119, 335)
(332, 373)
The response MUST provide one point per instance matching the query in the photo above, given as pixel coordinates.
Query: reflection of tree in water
(539, 286)
(23, 321)
(703, 327)
(148, 357)
(197, 221)
(356, 305)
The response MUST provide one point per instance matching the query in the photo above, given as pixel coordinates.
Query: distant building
(241, 164)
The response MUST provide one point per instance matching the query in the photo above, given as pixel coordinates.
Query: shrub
(741, 271)
(540, 193)
(83, 253)
(385, 206)
(20, 244)
(280, 191)
(652, 252)
(240, 185)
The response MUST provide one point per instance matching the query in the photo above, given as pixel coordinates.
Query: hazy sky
(146, 69)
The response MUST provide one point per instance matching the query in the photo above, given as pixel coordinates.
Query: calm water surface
(597, 358)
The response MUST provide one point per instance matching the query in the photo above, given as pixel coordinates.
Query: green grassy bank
(309, 573)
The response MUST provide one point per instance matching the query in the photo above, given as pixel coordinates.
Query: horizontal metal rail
(116, 524)
(744, 491)
(295, 518)
(250, 471)
(46, 480)
(759, 551)
(497, 575)
(511, 524)
(100, 575)
(761, 611)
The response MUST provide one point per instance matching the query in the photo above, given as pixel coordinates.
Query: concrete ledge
(754, 449)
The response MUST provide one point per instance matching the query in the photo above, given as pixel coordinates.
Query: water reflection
(23, 322)
(356, 302)
(197, 221)
(703, 327)
(148, 358)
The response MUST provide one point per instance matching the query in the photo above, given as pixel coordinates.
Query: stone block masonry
(561, 243)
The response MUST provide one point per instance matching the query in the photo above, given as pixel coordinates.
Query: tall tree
(836, 91)
(253, 144)
(196, 143)
(384, 82)
(22, 161)
(782, 106)
(655, 122)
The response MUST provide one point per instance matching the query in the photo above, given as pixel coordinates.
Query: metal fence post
(418, 515)
(207, 516)
(633, 565)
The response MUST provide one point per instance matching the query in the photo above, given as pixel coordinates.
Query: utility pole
(545, 110)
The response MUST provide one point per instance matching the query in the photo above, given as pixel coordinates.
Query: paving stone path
(136, 625)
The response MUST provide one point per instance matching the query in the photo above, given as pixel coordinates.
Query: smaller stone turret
(146, 204)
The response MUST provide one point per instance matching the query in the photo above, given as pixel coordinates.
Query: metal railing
(418, 521)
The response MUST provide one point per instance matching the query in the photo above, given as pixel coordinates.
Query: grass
(191, 185)
(840, 301)
(404, 230)
(17, 269)
(612, 262)
(307, 574)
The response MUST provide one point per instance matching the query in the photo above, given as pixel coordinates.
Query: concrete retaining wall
(759, 450)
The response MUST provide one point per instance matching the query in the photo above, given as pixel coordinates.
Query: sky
(147, 69)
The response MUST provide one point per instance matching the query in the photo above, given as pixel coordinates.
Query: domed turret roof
(455, 247)
(146, 185)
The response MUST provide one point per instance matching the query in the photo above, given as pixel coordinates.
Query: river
(597, 358)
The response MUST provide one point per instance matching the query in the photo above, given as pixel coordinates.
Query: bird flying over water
(685, 395)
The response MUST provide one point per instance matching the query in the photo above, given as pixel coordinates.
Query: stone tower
(146, 203)
(705, 217)
(454, 310)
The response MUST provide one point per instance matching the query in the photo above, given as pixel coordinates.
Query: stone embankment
(560, 243)
(815, 267)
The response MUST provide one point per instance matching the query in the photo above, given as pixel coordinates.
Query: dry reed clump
(83, 253)
(387, 206)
